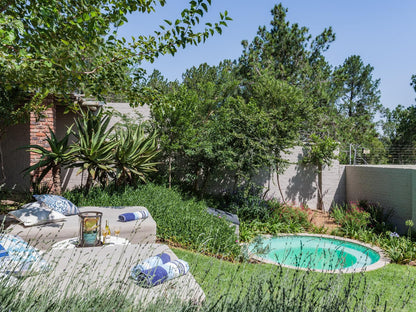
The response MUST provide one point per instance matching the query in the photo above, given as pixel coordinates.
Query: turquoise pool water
(314, 252)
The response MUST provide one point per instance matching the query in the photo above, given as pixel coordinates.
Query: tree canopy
(61, 47)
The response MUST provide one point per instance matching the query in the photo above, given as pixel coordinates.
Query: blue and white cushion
(3, 252)
(34, 214)
(57, 203)
(22, 258)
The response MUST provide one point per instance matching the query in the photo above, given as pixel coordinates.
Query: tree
(320, 151)
(286, 50)
(61, 47)
(57, 48)
(358, 102)
(400, 134)
(289, 61)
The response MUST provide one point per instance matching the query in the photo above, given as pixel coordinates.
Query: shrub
(181, 222)
(379, 217)
(284, 219)
(351, 218)
(400, 249)
(249, 204)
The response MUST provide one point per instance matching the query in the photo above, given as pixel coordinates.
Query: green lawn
(256, 287)
(393, 285)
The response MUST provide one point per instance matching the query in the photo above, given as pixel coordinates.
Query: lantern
(90, 229)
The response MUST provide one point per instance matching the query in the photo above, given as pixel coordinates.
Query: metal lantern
(90, 229)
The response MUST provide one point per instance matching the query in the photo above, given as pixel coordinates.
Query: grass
(391, 287)
(230, 286)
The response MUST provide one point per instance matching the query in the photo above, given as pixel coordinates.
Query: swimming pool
(317, 252)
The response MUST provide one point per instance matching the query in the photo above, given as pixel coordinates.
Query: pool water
(315, 252)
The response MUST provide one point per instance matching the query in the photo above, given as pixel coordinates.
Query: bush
(351, 218)
(369, 223)
(248, 204)
(400, 249)
(284, 219)
(181, 222)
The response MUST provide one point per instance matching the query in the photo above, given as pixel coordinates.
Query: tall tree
(291, 56)
(358, 102)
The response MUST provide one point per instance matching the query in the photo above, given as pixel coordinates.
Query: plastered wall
(392, 186)
(298, 183)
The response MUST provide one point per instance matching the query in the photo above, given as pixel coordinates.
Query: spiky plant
(134, 154)
(93, 149)
(52, 159)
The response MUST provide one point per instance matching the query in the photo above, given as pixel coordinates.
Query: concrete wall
(392, 186)
(299, 183)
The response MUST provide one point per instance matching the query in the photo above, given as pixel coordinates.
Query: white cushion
(34, 213)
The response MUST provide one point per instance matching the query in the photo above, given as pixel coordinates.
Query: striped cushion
(22, 258)
(3, 252)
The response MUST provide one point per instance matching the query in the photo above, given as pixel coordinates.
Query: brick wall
(39, 129)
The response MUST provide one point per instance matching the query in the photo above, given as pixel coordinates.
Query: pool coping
(383, 261)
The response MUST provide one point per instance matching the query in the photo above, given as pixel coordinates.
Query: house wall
(393, 187)
(15, 159)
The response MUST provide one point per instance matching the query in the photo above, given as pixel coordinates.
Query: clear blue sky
(382, 32)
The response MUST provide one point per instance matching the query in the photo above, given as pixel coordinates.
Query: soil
(323, 219)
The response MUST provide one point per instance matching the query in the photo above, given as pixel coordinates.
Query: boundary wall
(392, 186)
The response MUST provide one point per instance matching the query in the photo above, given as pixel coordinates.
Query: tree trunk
(56, 178)
(278, 185)
(320, 203)
(88, 184)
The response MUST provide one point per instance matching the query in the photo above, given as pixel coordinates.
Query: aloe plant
(93, 150)
(52, 159)
(134, 154)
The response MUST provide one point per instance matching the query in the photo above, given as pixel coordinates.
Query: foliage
(352, 218)
(358, 102)
(181, 222)
(286, 49)
(93, 150)
(236, 118)
(284, 218)
(134, 154)
(319, 151)
(126, 154)
(52, 159)
(368, 222)
(248, 203)
(399, 134)
(241, 287)
(241, 283)
(58, 47)
(400, 249)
